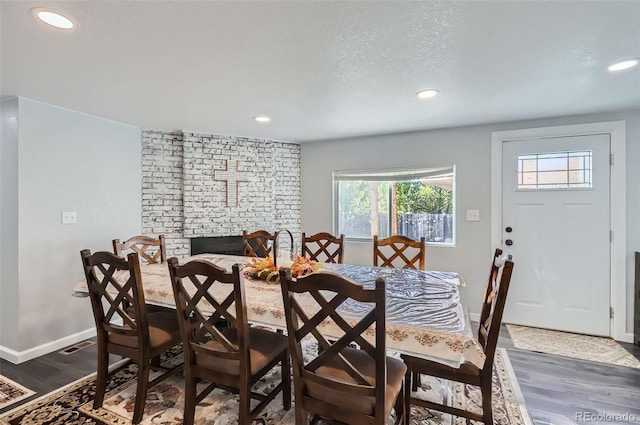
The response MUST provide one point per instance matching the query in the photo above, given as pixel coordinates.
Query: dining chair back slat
(323, 247)
(150, 250)
(257, 244)
(389, 251)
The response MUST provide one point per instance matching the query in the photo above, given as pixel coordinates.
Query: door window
(555, 170)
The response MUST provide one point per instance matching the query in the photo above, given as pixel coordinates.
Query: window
(557, 170)
(413, 203)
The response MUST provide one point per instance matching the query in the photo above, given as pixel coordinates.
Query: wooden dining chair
(132, 332)
(339, 383)
(233, 358)
(257, 244)
(323, 247)
(150, 250)
(490, 319)
(410, 253)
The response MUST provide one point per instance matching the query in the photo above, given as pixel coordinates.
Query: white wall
(67, 161)
(8, 221)
(469, 148)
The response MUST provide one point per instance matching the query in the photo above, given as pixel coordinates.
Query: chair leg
(101, 379)
(155, 361)
(286, 383)
(141, 391)
(300, 415)
(244, 416)
(487, 410)
(407, 396)
(189, 399)
(416, 381)
(401, 416)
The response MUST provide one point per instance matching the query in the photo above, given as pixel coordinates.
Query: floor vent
(77, 347)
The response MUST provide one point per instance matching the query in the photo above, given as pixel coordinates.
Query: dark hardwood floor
(560, 390)
(557, 390)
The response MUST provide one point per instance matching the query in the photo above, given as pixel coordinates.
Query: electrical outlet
(473, 215)
(69, 217)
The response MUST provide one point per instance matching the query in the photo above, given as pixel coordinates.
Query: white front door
(555, 222)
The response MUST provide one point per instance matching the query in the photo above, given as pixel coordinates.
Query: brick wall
(162, 189)
(181, 199)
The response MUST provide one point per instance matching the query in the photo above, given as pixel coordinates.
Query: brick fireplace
(182, 199)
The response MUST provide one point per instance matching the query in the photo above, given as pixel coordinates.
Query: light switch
(473, 215)
(69, 217)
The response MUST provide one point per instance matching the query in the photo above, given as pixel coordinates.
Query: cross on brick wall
(231, 175)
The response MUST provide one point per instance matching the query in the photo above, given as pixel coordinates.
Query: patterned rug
(576, 346)
(12, 392)
(72, 404)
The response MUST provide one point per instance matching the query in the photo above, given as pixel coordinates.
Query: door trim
(617, 204)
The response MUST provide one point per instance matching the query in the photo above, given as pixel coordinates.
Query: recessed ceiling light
(262, 119)
(53, 18)
(626, 64)
(427, 94)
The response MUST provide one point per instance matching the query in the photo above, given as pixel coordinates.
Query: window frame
(379, 175)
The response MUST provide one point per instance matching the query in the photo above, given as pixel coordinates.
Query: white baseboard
(17, 357)
(475, 317)
(628, 337)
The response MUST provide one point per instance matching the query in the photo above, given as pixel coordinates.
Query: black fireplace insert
(230, 245)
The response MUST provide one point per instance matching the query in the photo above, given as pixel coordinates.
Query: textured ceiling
(322, 69)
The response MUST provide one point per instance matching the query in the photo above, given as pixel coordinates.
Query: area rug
(12, 392)
(582, 347)
(73, 404)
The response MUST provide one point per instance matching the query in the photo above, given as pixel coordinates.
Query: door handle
(508, 242)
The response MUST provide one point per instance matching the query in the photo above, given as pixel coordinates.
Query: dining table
(426, 311)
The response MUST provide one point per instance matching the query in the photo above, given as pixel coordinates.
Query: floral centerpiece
(262, 268)
(265, 269)
(302, 266)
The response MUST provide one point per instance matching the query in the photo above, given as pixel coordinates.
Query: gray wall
(469, 149)
(66, 161)
(53, 160)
